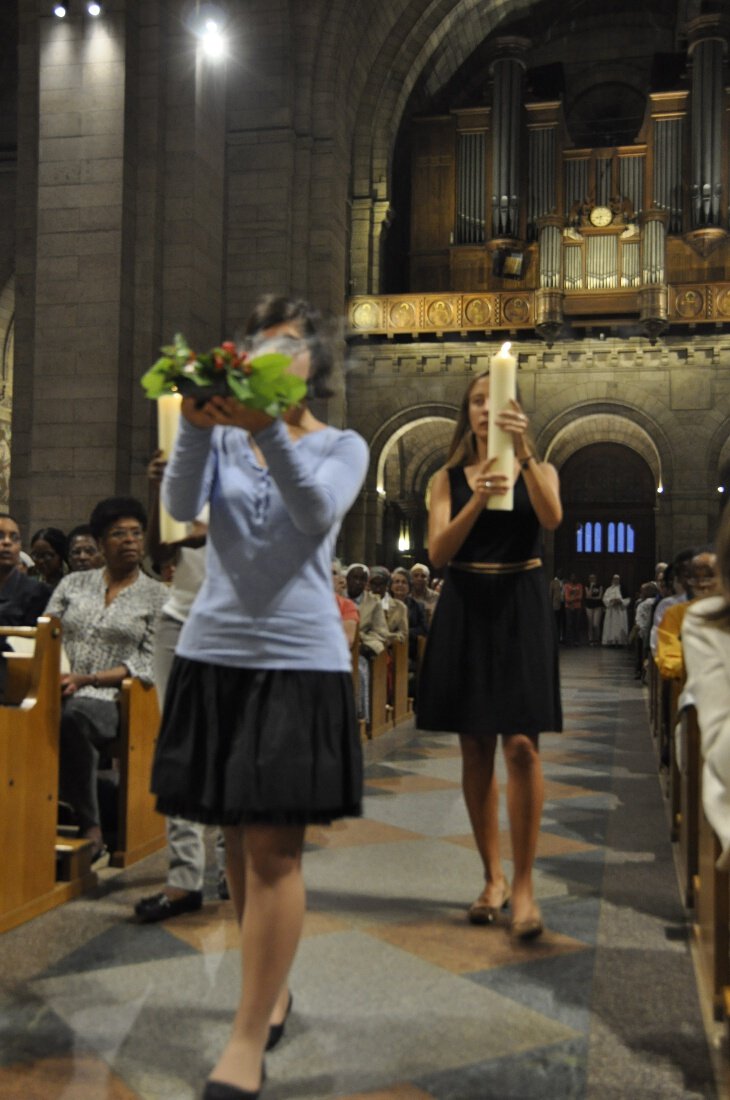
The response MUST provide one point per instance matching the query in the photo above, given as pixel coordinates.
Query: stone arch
(604, 427)
(414, 45)
(431, 44)
(386, 437)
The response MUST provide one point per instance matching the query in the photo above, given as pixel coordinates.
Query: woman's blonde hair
(463, 448)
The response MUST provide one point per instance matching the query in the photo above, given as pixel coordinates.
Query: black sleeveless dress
(491, 660)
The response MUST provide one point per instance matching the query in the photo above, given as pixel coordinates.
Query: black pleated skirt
(271, 746)
(491, 660)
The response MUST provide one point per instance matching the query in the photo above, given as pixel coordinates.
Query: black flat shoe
(276, 1031)
(160, 906)
(217, 1090)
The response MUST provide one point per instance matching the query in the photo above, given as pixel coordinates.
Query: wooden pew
(141, 830)
(380, 713)
(29, 740)
(712, 918)
(689, 796)
(673, 690)
(399, 654)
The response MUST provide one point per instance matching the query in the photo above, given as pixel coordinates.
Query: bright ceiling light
(59, 10)
(213, 42)
(94, 9)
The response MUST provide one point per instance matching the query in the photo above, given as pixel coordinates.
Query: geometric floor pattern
(396, 996)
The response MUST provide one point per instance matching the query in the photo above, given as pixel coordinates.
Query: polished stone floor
(397, 997)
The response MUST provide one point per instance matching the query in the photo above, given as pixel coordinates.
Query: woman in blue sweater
(259, 732)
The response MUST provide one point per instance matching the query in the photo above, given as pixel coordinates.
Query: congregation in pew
(116, 597)
(680, 643)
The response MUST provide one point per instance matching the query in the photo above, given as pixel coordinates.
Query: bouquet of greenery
(261, 382)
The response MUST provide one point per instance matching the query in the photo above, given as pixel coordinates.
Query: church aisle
(396, 996)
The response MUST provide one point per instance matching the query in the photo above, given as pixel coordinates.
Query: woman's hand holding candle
(490, 483)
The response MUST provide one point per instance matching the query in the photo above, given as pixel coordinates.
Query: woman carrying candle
(491, 664)
(259, 732)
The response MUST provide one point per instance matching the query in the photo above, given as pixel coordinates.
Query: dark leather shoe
(276, 1031)
(161, 907)
(217, 1090)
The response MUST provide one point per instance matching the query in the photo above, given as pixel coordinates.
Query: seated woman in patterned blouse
(108, 618)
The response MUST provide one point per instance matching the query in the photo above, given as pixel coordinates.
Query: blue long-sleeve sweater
(267, 599)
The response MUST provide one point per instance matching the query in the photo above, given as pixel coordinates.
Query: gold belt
(491, 567)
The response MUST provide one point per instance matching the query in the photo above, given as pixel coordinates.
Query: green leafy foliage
(262, 382)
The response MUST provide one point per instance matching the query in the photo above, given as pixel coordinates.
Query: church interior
(438, 178)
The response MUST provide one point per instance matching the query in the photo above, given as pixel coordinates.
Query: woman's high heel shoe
(479, 912)
(276, 1031)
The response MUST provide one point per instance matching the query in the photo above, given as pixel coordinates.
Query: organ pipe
(668, 139)
(707, 105)
(507, 71)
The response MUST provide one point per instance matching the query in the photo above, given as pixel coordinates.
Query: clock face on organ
(601, 216)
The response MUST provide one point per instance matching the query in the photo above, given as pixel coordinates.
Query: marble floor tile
(396, 995)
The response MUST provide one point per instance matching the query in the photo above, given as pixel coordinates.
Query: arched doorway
(609, 496)
(407, 462)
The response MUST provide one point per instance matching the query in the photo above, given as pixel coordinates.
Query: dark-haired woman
(108, 618)
(490, 666)
(49, 551)
(259, 732)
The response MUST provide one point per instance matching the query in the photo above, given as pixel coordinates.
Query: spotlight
(213, 43)
(93, 9)
(721, 488)
(59, 10)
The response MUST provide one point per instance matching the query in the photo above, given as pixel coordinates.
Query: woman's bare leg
(267, 860)
(525, 794)
(481, 795)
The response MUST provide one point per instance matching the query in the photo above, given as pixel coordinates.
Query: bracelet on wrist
(525, 462)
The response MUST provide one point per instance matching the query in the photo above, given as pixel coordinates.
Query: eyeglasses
(284, 344)
(43, 555)
(119, 533)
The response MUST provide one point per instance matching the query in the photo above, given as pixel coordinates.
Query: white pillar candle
(502, 390)
(168, 421)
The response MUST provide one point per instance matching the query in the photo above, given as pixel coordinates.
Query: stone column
(72, 326)
(121, 208)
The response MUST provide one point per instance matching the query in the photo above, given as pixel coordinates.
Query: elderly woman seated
(417, 624)
(108, 617)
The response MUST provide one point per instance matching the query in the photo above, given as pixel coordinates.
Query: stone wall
(670, 403)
